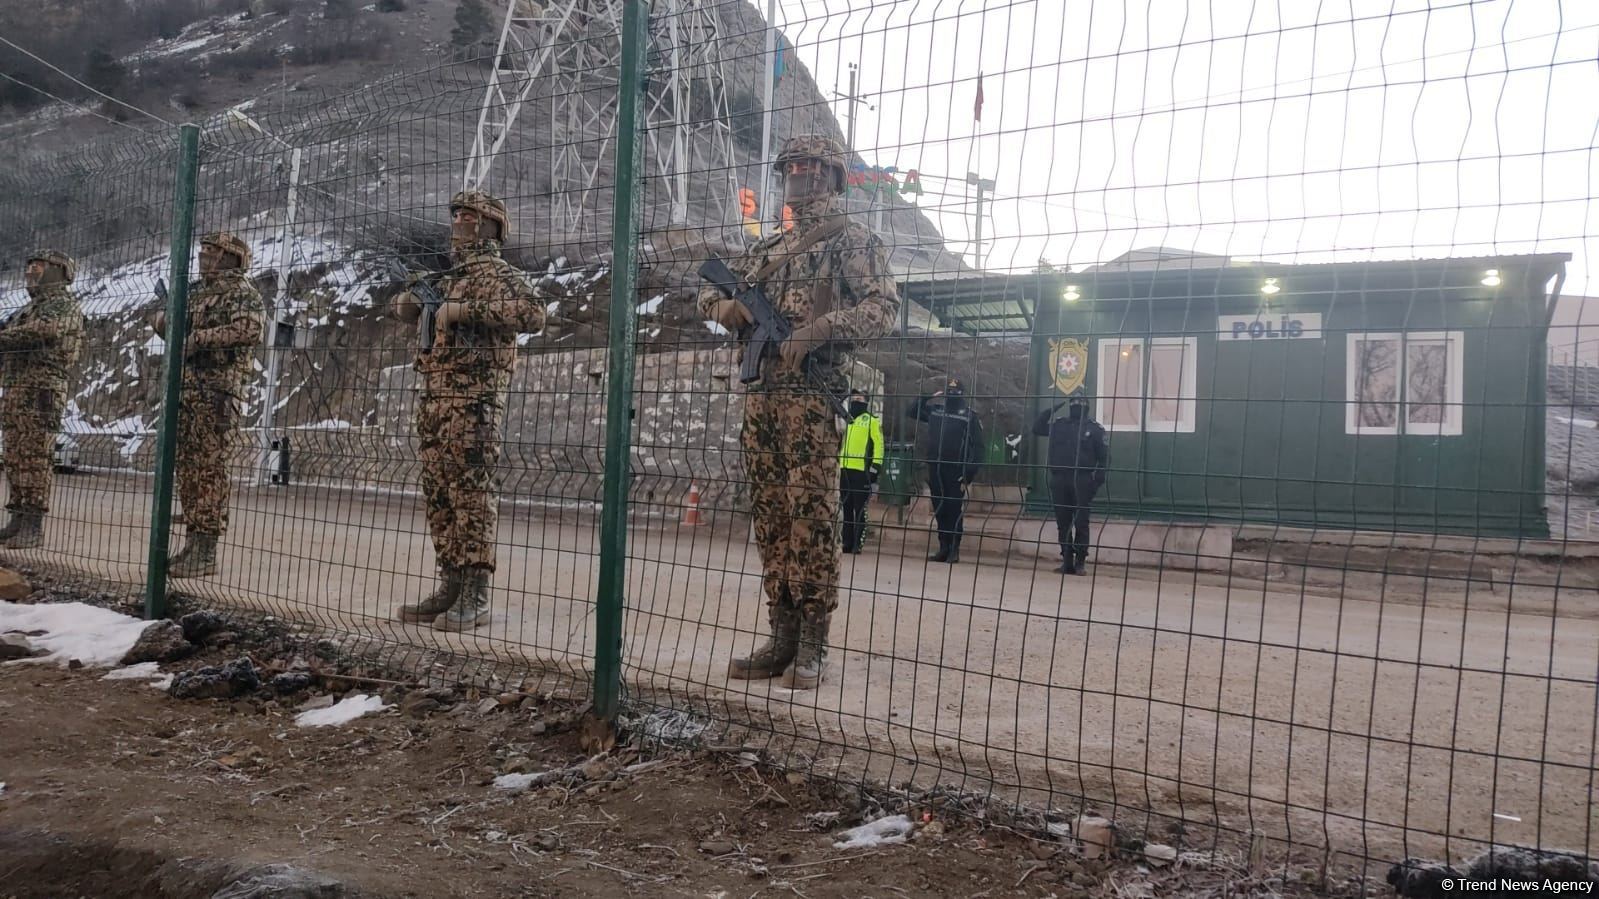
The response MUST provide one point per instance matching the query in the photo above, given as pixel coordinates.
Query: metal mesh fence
(1308, 564)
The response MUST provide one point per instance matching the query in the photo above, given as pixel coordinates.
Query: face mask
(803, 187)
(1076, 410)
(954, 401)
(857, 408)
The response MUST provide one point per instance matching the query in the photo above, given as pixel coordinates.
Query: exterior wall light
(1271, 287)
(1069, 293)
(1490, 278)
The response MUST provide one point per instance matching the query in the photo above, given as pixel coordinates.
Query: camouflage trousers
(29, 420)
(208, 420)
(458, 438)
(790, 441)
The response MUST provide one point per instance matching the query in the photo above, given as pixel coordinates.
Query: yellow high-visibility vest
(863, 443)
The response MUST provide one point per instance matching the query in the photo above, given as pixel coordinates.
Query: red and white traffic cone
(691, 510)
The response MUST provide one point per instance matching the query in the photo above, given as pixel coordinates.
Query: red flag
(977, 108)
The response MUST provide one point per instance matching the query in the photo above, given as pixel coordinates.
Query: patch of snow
(1579, 422)
(162, 683)
(515, 783)
(671, 725)
(348, 709)
(329, 424)
(883, 831)
(717, 329)
(141, 671)
(97, 637)
(650, 306)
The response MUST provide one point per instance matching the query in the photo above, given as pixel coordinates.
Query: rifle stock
(431, 299)
(771, 328)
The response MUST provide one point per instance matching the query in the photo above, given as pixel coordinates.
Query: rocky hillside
(382, 102)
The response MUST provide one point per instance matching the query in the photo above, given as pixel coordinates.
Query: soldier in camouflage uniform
(829, 277)
(38, 349)
(225, 321)
(465, 376)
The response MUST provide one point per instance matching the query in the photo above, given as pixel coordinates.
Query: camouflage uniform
(38, 349)
(226, 318)
(465, 378)
(790, 435)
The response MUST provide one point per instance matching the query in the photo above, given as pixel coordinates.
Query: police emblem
(1068, 361)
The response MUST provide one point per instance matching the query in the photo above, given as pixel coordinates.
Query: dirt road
(1369, 726)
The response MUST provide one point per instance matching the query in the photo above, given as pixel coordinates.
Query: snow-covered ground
(72, 631)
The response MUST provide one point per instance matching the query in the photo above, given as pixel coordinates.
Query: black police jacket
(1075, 444)
(952, 435)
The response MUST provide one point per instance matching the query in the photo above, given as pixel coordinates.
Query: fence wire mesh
(1318, 274)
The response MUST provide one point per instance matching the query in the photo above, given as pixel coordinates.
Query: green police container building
(1403, 396)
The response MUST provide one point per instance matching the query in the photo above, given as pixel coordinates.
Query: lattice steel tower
(563, 56)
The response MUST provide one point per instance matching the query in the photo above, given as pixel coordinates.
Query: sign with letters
(1267, 325)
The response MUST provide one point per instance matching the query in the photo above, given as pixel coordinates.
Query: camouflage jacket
(479, 351)
(844, 279)
(41, 344)
(225, 321)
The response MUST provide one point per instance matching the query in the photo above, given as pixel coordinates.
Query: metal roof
(989, 303)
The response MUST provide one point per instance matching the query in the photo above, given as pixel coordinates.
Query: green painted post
(155, 579)
(625, 225)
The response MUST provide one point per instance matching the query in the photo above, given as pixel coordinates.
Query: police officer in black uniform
(953, 448)
(1077, 459)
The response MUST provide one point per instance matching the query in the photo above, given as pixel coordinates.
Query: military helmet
(485, 205)
(69, 267)
(827, 150)
(228, 243)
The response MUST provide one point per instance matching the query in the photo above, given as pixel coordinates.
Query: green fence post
(155, 579)
(625, 224)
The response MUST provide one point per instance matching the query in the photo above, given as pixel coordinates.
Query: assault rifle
(771, 328)
(431, 301)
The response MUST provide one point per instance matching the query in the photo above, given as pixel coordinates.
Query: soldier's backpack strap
(833, 226)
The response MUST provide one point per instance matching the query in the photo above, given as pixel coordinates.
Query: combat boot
(771, 658)
(198, 558)
(943, 550)
(436, 603)
(471, 608)
(806, 672)
(29, 532)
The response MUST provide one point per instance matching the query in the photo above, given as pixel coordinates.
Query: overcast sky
(1293, 130)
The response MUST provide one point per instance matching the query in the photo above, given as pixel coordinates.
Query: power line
(83, 109)
(55, 68)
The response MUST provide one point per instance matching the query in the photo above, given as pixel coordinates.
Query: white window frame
(1453, 424)
(1105, 393)
(1108, 348)
(1187, 386)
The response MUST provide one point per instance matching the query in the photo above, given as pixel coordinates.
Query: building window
(1148, 385)
(1408, 383)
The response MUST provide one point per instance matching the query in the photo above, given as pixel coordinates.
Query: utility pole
(983, 184)
(852, 98)
(269, 390)
(274, 351)
(767, 207)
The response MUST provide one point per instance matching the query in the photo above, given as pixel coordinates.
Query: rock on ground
(201, 624)
(236, 678)
(162, 641)
(13, 586)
